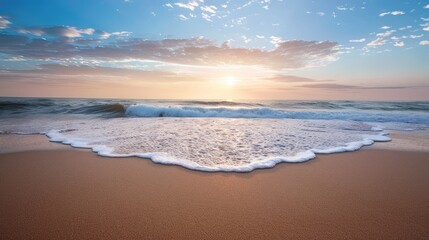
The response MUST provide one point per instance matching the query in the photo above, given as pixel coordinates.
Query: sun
(230, 81)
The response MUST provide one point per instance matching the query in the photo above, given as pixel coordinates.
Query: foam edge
(164, 158)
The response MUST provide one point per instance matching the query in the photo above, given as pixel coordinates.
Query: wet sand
(75, 194)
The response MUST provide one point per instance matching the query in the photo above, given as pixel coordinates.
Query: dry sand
(74, 194)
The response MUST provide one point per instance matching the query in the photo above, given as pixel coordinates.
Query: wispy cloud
(398, 44)
(405, 28)
(210, 9)
(386, 33)
(239, 21)
(4, 23)
(292, 79)
(246, 39)
(345, 8)
(416, 36)
(335, 86)
(377, 42)
(57, 31)
(381, 38)
(424, 42)
(183, 17)
(358, 40)
(394, 13)
(83, 72)
(190, 5)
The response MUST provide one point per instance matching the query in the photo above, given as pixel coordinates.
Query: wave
(10, 104)
(221, 112)
(61, 106)
(106, 110)
(223, 103)
(167, 159)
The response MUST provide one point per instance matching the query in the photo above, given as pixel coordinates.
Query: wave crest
(223, 112)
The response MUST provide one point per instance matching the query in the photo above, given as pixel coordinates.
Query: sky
(215, 49)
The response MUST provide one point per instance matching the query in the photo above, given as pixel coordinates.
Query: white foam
(245, 144)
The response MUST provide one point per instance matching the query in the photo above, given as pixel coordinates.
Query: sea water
(212, 135)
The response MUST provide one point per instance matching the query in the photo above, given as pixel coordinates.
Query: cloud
(84, 71)
(424, 42)
(211, 9)
(385, 27)
(57, 31)
(291, 79)
(394, 13)
(398, 44)
(183, 17)
(377, 42)
(206, 17)
(246, 39)
(426, 6)
(276, 40)
(194, 51)
(190, 5)
(416, 36)
(168, 5)
(381, 38)
(358, 40)
(405, 28)
(4, 23)
(121, 34)
(239, 21)
(386, 34)
(335, 86)
(105, 35)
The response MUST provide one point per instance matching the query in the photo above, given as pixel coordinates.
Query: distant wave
(223, 103)
(107, 110)
(417, 106)
(222, 112)
(24, 103)
(47, 106)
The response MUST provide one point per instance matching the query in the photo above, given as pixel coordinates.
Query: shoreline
(73, 193)
(409, 141)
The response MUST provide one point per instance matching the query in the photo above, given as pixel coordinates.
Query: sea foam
(217, 144)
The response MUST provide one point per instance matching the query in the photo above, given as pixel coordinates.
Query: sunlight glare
(230, 81)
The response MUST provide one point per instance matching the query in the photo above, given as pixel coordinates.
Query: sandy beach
(75, 194)
(193, 119)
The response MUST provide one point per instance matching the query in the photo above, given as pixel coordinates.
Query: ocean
(210, 135)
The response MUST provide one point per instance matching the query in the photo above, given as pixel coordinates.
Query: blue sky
(356, 46)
